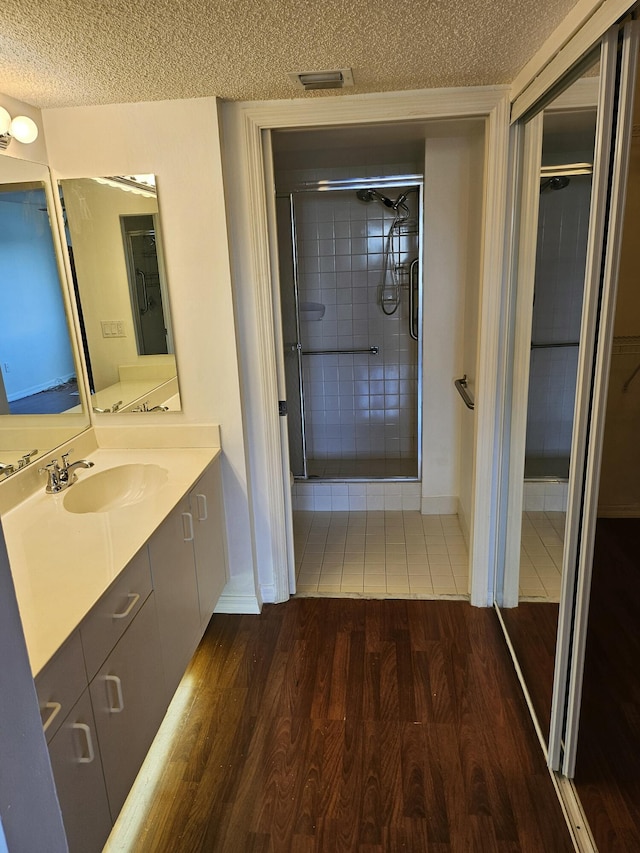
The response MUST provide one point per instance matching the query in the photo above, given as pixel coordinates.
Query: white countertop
(62, 562)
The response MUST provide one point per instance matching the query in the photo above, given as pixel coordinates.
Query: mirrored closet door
(576, 515)
(554, 317)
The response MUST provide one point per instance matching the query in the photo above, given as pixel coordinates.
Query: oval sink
(114, 488)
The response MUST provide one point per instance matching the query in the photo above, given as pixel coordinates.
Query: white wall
(179, 142)
(35, 353)
(452, 229)
(474, 173)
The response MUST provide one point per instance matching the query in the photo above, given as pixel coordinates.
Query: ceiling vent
(310, 80)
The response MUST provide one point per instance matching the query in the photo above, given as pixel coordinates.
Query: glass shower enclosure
(351, 306)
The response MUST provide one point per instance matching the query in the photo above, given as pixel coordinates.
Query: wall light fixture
(22, 128)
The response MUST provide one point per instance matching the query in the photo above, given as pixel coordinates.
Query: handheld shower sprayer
(369, 195)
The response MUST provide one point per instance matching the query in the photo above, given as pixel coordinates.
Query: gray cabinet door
(77, 771)
(129, 700)
(176, 591)
(205, 500)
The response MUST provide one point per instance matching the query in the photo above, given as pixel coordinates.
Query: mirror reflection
(38, 373)
(114, 240)
(554, 336)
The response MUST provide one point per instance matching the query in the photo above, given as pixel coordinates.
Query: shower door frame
(277, 301)
(352, 185)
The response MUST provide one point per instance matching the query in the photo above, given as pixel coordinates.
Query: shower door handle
(413, 302)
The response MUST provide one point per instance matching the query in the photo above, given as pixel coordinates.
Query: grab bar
(413, 287)
(552, 345)
(370, 350)
(145, 307)
(461, 387)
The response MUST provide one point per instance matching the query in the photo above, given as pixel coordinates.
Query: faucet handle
(26, 458)
(53, 472)
(65, 457)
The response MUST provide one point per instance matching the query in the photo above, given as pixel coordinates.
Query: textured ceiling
(70, 52)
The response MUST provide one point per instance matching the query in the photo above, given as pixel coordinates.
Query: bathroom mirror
(115, 248)
(40, 402)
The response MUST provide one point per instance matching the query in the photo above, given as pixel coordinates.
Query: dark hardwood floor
(357, 726)
(608, 764)
(532, 627)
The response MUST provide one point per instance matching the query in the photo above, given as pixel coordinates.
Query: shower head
(374, 195)
(369, 195)
(558, 182)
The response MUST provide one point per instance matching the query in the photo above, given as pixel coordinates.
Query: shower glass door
(351, 313)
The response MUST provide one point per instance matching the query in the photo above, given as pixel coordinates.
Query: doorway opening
(145, 284)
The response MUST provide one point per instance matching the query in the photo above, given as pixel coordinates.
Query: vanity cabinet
(70, 729)
(189, 571)
(129, 700)
(102, 698)
(207, 510)
(77, 770)
(115, 611)
(176, 590)
(105, 691)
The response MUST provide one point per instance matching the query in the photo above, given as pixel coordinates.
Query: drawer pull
(55, 708)
(120, 706)
(201, 501)
(135, 598)
(187, 529)
(83, 727)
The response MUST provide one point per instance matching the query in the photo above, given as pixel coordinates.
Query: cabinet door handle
(201, 501)
(55, 708)
(187, 526)
(83, 727)
(135, 598)
(115, 680)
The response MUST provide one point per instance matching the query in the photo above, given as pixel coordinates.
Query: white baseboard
(623, 511)
(439, 505)
(237, 604)
(464, 523)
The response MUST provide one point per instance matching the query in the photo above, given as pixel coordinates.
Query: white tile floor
(379, 554)
(541, 555)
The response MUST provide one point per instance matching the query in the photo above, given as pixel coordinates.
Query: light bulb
(5, 121)
(24, 129)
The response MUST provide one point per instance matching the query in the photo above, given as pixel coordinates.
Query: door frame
(250, 199)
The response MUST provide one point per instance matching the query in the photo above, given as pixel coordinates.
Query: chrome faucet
(114, 408)
(145, 407)
(7, 468)
(60, 477)
(26, 458)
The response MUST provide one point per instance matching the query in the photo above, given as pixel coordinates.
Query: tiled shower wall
(560, 265)
(356, 406)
